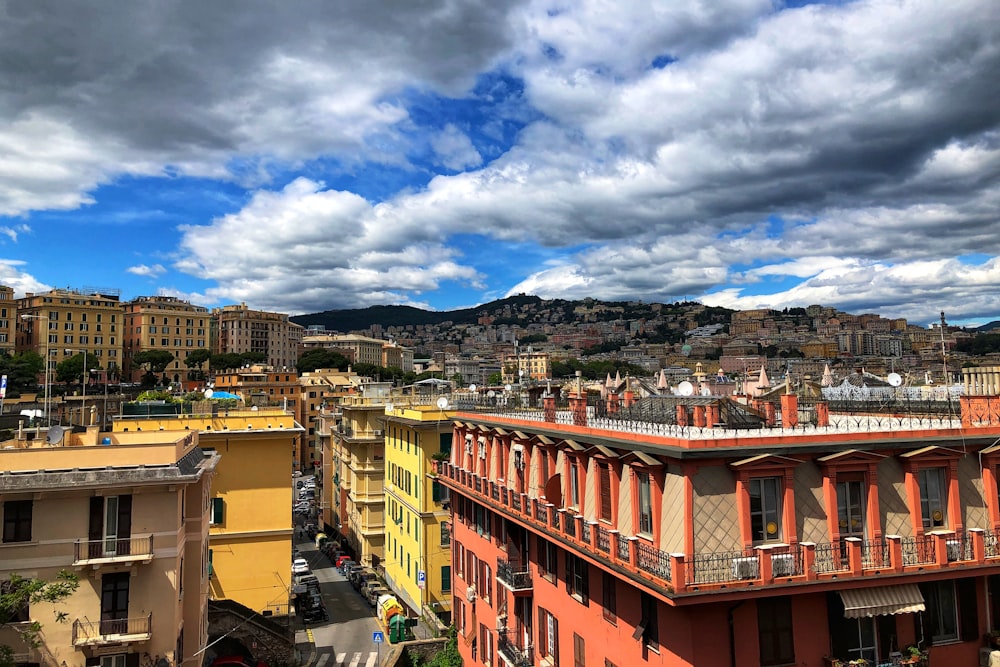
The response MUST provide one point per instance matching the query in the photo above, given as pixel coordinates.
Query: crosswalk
(347, 659)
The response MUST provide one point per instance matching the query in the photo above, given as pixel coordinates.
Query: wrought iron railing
(569, 525)
(991, 543)
(875, 555)
(622, 546)
(541, 513)
(513, 654)
(585, 533)
(515, 575)
(831, 557)
(113, 547)
(603, 540)
(721, 568)
(918, 550)
(654, 561)
(111, 630)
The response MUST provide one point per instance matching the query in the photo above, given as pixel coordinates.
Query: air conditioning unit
(482, 450)
(746, 568)
(470, 594)
(782, 565)
(954, 550)
(501, 623)
(378, 433)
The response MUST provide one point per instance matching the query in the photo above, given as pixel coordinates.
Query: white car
(300, 566)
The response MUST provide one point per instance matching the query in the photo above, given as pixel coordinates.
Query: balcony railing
(112, 631)
(113, 550)
(849, 558)
(514, 656)
(514, 576)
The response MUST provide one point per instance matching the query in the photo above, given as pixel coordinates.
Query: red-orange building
(698, 531)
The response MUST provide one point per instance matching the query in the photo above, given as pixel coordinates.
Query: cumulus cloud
(154, 271)
(455, 150)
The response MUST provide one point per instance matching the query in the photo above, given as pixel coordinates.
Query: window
(609, 587)
(17, 521)
(765, 509)
(645, 504)
(577, 578)
(548, 636)
(648, 629)
(952, 610)
(446, 578)
(547, 562)
(933, 497)
(579, 651)
(774, 630)
(574, 483)
(604, 491)
(218, 511)
(445, 534)
(850, 508)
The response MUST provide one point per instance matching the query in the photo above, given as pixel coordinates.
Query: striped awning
(882, 601)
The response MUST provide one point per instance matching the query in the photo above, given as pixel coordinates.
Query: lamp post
(45, 318)
(83, 405)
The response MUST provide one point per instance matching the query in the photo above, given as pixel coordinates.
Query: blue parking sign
(378, 637)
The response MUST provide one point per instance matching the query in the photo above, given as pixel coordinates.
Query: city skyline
(308, 157)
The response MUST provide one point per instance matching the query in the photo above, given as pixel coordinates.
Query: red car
(340, 561)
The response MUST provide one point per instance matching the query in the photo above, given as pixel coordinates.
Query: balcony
(515, 577)
(113, 551)
(113, 631)
(765, 565)
(513, 655)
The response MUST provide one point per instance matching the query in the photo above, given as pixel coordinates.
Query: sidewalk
(305, 647)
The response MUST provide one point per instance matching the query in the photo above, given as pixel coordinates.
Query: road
(346, 639)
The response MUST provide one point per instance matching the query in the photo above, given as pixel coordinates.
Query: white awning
(882, 601)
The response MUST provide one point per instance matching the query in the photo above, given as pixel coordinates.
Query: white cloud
(154, 271)
(455, 150)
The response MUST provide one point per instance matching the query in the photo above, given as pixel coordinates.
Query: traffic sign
(421, 579)
(378, 637)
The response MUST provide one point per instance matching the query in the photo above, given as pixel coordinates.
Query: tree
(155, 361)
(224, 361)
(22, 371)
(197, 359)
(495, 379)
(319, 357)
(253, 357)
(18, 593)
(72, 368)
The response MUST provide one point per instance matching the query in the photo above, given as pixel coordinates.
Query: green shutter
(217, 510)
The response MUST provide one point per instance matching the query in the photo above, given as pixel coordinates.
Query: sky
(306, 156)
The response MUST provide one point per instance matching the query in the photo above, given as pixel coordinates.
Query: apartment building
(701, 531)
(238, 329)
(128, 513)
(525, 365)
(164, 323)
(250, 532)
(8, 320)
(358, 444)
(320, 390)
(64, 322)
(417, 563)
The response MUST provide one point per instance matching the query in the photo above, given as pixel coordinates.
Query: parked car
(340, 562)
(374, 592)
(364, 578)
(310, 606)
(352, 573)
(300, 566)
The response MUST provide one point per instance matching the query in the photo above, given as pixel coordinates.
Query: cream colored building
(74, 321)
(128, 513)
(526, 365)
(164, 323)
(321, 390)
(8, 320)
(238, 329)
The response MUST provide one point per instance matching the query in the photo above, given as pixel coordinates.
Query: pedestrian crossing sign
(378, 637)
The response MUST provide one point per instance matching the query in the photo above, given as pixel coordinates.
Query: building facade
(164, 323)
(128, 513)
(417, 563)
(8, 320)
(238, 329)
(63, 323)
(250, 534)
(701, 531)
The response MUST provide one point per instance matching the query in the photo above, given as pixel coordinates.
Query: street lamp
(83, 405)
(28, 316)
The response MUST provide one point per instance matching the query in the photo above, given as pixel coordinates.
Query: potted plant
(993, 638)
(914, 655)
(858, 662)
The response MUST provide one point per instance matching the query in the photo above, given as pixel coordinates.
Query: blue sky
(314, 156)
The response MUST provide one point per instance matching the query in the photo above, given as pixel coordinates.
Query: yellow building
(163, 323)
(359, 445)
(417, 533)
(251, 504)
(526, 365)
(74, 321)
(129, 514)
(321, 390)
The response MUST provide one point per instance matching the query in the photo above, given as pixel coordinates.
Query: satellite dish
(472, 387)
(389, 407)
(705, 391)
(490, 394)
(442, 403)
(55, 435)
(686, 350)
(507, 387)
(209, 392)
(685, 388)
(895, 379)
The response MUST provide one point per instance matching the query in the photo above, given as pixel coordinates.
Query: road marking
(356, 660)
(372, 657)
(340, 658)
(322, 660)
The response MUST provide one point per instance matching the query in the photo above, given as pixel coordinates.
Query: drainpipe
(732, 632)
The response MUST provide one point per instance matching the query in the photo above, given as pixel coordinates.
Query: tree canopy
(22, 370)
(319, 357)
(156, 361)
(18, 593)
(71, 369)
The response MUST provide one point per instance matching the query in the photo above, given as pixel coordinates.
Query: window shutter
(585, 592)
(436, 491)
(605, 490)
(555, 642)
(96, 518)
(968, 609)
(124, 516)
(132, 660)
(218, 506)
(541, 632)
(569, 574)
